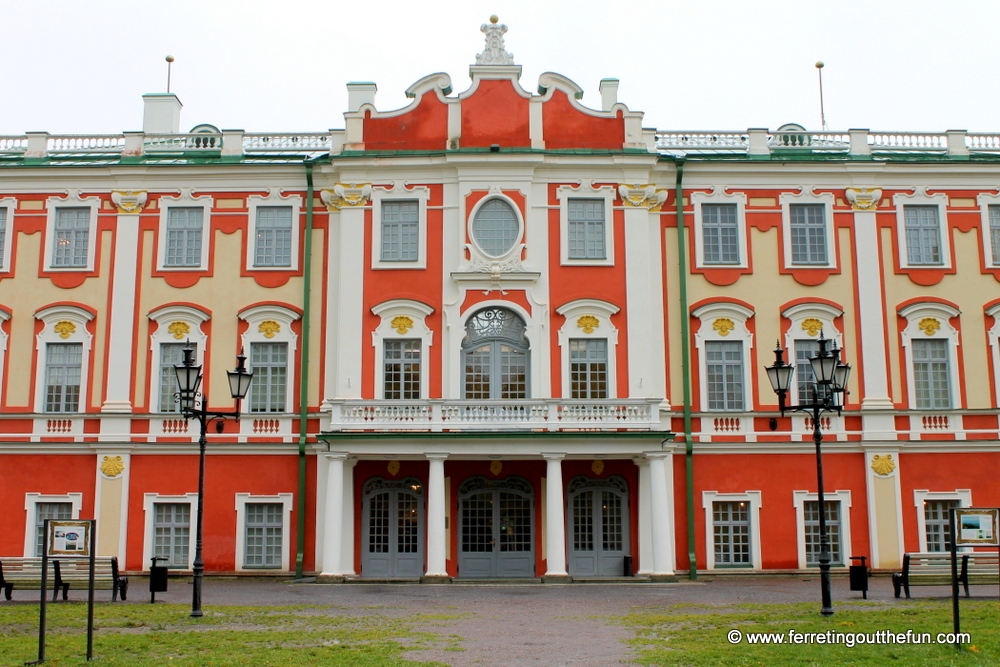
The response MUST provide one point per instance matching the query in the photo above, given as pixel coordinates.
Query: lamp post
(194, 404)
(829, 388)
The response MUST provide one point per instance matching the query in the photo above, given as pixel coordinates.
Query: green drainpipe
(300, 529)
(686, 368)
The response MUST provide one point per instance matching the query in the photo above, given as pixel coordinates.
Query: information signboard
(976, 526)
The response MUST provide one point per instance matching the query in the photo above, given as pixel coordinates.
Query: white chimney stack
(161, 113)
(360, 92)
(609, 93)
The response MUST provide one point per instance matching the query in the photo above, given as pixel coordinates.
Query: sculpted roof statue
(495, 53)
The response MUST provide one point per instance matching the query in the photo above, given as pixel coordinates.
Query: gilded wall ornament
(812, 326)
(496, 467)
(929, 325)
(129, 201)
(402, 324)
(642, 196)
(588, 323)
(393, 468)
(179, 329)
(112, 466)
(64, 329)
(597, 466)
(347, 195)
(724, 326)
(863, 199)
(269, 328)
(883, 465)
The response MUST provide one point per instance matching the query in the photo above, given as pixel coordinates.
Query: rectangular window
(400, 231)
(263, 535)
(936, 523)
(805, 379)
(931, 374)
(3, 233)
(274, 236)
(402, 369)
(724, 375)
(171, 354)
(731, 527)
(923, 235)
(834, 539)
(586, 229)
(269, 362)
(720, 234)
(63, 367)
(72, 234)
(184, 225)
(808, 227)
(43, 511)
(172, 533)
(588, 368)
(994, 234)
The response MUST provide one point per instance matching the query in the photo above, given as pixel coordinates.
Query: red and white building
(496, 334)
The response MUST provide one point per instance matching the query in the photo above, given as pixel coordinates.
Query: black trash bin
(859, 576)
(157, 578)
(627, 566)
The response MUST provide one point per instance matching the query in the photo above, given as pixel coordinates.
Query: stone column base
(435, 579)
(663, 578)
(557, 579)
(330, 579)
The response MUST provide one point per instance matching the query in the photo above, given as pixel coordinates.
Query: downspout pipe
(682, 271)
(300, 528)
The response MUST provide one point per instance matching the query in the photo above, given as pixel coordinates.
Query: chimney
(609, 93)
(161, 113)
(360, 92)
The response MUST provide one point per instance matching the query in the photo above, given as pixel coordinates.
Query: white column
(347, 527)
(437, 536)
(659, 502)
(333, 516)
(121, 320)
(555, 516)
(874, 352)
(645, 524)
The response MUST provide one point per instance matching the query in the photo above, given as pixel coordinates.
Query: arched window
(496, 229)
(495, 352)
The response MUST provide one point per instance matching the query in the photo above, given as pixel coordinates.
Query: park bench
(26, 573)
(934, 569)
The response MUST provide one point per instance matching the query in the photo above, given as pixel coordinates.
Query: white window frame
(53, 203)
(914, 314)
(985, 201)
(739, 315)
(720, 196)
(824, 199)
(797, 316)
(274, 198)
(753, 498)
(992, 336)
(607, 193)
(799, 499)
(286, 500)
(149, 513)
(186, 199)
(79, 318)
(255, 317)
(9, 206)
(478, 253)
(399, 192)
(31, 500)
(921, 198)
(164, 317)
(963, 496)
(603, 311)
(4, 316)
(417, 312)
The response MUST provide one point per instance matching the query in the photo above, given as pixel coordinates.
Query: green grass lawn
(695, 635)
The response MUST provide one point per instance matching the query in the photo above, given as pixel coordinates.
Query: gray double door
(497, 528)
(393, 534)
(599, 516)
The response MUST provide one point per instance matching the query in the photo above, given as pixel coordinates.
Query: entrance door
(600, 518)
(393, 535)
(497, 538)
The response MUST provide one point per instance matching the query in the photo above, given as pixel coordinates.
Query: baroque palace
(496, 334)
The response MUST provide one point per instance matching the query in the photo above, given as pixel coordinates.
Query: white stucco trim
(754, 500)
(286, 501)
(799, 499)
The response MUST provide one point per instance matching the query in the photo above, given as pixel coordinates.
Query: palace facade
(497, 334)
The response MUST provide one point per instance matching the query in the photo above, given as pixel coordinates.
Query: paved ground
(540, 625)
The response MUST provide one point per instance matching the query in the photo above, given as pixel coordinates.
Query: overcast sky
(71, 67)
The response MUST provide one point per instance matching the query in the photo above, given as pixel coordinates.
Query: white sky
(282, 65)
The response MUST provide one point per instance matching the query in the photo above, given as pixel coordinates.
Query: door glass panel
(583, 521)
(378, 524)
(515, 522)
(477, 523)
(406, 514)
(611, 523)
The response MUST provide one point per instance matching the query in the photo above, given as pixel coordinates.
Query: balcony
(543, 414)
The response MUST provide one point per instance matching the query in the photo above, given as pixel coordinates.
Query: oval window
(495, 228)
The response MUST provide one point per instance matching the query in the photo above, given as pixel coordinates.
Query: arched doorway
(496, 539)
(495, 356)
(393, 531)
(599, 520)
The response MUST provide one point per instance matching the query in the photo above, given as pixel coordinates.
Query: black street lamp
(829, 388)
(188, 382)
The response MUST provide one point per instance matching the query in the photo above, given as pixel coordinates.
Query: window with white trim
(400, 231)
(63, 355)
(933, 516)
(399, 226)
(732, 522)
(56, 511)
(495, 227)
(63, 375)
(38, 507)
(72, 237)
(808, 234)
(720, 234)
(273, 237)
(172, 534)
(585, 224)
(931, 343)
(807, 322)
(402, 344)
(7, 207)
(922, 230)
(171, 355)
(724, 341)
(995, 234)
(586, 229)
(3, 238)
(931, 374)
(588, 368)
(588, 341)
(724, 375)
(176, 327)
(184, 231)
(269, 365)
(838, 526)
(402, 368)
(263, 524)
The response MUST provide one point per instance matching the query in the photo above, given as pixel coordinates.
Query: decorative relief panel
(346, 195)
(129, 201)
(642, 196)
(588, 323)
(863, 199)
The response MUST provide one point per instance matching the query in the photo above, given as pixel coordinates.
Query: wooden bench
(934, 569)
(26, 573)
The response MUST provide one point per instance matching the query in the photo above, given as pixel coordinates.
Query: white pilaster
(344, 306)
(333, 516)
(645, 524)
(644, 293)
(555, 516)
(437, 536)
(660, 514)
(347, 527)
(121, 319)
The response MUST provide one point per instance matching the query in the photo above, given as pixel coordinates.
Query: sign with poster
(69, 538)
(976, 526)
